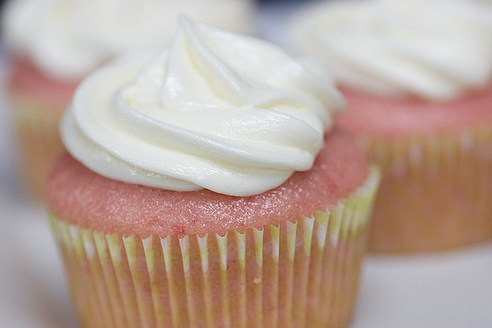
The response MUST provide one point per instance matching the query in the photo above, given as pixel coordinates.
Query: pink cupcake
(54, 44)
(417, 76)
(37, 102)
(206, 187)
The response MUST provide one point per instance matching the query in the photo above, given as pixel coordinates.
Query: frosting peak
(214, 110)
(435, 49)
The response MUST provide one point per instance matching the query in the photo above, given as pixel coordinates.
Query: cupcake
(53, 44)
(206, 187)
(417, 77)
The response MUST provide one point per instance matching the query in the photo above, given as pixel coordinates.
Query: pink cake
(37, 103)
(395, 117)
(146, 257)
(207, 187)
(87, 199)
(436, 159)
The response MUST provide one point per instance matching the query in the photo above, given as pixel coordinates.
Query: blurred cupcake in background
(53, 44)
(207, 187)
(417, 76)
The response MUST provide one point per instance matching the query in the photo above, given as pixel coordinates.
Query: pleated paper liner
(435, 193)
(38, 140)
(296, 274)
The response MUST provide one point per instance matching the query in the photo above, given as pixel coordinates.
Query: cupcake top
(429, 49)
(214, 110)
(87, 199)
(67, 39)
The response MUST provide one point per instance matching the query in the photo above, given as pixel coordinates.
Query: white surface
(452, 290)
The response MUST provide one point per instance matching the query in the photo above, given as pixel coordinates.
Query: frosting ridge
(214, 110)
(430, 49)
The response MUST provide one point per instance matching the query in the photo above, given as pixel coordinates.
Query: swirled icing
(430, 49)
(214, 110)
(67, 39)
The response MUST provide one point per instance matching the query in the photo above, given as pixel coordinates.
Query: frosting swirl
(214, 110)
(69, 38)
(430, 49)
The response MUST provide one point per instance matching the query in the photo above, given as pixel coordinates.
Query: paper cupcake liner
(435, 193)
(303, 273)
(38, 141)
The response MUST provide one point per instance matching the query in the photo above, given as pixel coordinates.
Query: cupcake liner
(435, 192)
(303, 273)
(38, 141)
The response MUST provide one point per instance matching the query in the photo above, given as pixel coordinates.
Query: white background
(450, 290)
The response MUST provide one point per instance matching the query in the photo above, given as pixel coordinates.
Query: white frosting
(426, 48)
(69, 38)
(215, 110)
